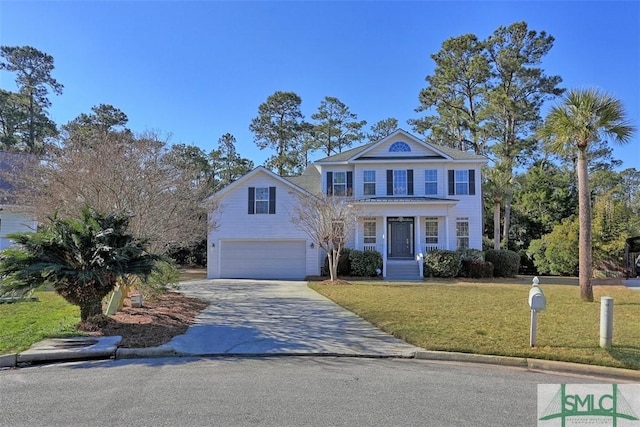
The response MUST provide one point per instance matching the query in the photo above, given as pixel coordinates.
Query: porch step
(403, 271)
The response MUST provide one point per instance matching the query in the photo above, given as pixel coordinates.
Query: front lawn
(494, 318)
(25, 323)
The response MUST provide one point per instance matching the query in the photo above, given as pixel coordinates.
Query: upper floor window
(339, 183)
(399, 147)
(262, 200)
(369, 179)
(462, 182)
(400, 182)
(430, 182)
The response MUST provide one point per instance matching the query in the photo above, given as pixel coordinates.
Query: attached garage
(263, 259)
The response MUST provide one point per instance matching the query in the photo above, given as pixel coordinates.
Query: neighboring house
(412, 196)
(12, 215)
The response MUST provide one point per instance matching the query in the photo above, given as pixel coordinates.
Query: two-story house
(412, 197)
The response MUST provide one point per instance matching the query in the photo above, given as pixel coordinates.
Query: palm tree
(82, 259)
(585, 117)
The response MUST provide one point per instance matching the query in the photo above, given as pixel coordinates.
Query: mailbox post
(537, 302)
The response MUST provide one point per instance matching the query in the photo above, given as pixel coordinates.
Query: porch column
(418, 236)
(446, 231)
(356, 236)
(385, 238)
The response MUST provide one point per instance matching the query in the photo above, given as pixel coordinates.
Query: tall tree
(336, 127)
(382, 128)
(33, 70)
(104, 122)
(583, 118)
(277, 126)
(225, 162)
(456, 94)
(519, 89)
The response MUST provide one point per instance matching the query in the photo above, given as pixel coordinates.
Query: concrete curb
(109, 350)
(579, 368)
(8, 360)
(519, 362)
(143, 352)
(531, 364)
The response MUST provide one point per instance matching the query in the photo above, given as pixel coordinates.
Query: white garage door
(263, 259)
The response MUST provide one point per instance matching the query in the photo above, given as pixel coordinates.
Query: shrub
(506, 263)
(476, 269)
(165, 278)
(441, 263)
(344, 264)
(471, 254)
(364, 263)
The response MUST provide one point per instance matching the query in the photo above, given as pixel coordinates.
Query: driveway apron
(249, 317)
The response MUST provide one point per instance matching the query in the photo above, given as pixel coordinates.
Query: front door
(400, 232)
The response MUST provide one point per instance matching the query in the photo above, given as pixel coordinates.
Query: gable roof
(310, 180)
(246, 177)
(359, 152)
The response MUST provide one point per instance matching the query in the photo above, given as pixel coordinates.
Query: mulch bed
(155, 323)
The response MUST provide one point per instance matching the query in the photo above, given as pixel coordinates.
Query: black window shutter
(452, 183)
(272, 200)
(410, 182)
(329, 183)
(472, 182)
(349, 183)
(389, 182)
(252, 200)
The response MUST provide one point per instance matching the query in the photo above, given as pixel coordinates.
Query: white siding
(235, 223)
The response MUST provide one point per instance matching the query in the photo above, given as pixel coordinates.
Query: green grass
(25, 323)
(494, 318)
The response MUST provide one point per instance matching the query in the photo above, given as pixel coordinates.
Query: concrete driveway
(250, 317)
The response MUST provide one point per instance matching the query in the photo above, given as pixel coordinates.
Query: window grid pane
(369, 179)
(431, 231)
(430, 182)
(262, 200)
(462, 182)
(462, 232)
(399, 182)
(339, 183)
(370, 232)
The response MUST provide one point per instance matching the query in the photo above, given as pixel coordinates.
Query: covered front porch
(402, 241)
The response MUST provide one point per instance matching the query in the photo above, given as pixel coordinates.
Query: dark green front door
(401, 238)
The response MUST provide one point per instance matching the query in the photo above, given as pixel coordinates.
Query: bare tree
(329, 221)
(121, 173)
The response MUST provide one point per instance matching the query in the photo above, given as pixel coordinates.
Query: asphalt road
(281, 391)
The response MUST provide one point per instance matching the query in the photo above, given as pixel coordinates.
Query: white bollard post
(606, 322)
(532, 331)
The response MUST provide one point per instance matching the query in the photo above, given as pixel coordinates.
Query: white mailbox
(537, 301)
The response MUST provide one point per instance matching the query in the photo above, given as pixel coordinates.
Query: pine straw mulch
(155, 323)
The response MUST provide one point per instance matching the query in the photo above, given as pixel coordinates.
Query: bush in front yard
(442, 263)
(365, 263)
(506, 263)
(476, 269)
(344, 264)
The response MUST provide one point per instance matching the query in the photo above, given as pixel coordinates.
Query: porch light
(312, 245)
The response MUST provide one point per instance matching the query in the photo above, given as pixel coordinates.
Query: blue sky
(196, 70)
